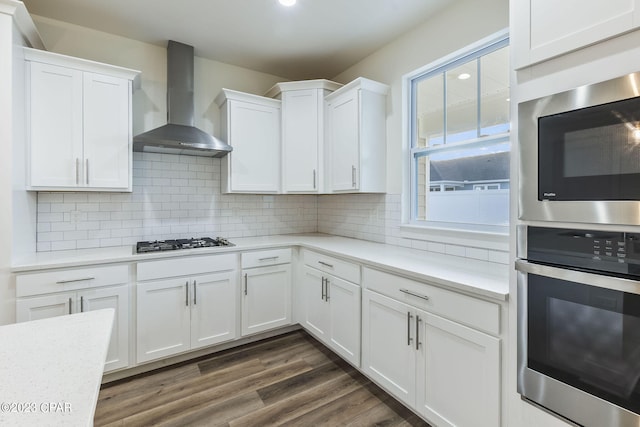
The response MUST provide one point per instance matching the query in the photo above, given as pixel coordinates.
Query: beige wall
(460, 25)
(150, 102)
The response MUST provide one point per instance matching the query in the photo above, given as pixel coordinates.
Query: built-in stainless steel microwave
(580, 154)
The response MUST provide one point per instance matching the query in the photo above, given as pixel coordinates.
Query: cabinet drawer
(187, 266)
(72, 279)
(270, 257)
(337, 267)
(473, 312)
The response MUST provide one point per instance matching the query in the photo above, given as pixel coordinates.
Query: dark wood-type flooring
(289, 380)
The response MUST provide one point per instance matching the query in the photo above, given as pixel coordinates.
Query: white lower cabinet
(57, 293)
(266, 295)
(447, 372)
(388, 340)
(183, 313)
(331, 312)
(458, 374)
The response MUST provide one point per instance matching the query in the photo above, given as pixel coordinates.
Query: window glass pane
(494, 102)
(429, 111)
(422, 187)
(462, 102)
(466, 186)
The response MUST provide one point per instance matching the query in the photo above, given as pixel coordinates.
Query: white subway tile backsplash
(179, 196)
(377, 217)
(477, 253)
(501, 257)
(173, 197)
(63, 245)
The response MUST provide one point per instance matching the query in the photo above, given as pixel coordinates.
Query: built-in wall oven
(579, 323)
(580, 154)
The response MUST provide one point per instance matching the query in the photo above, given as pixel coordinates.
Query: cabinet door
(266, 302)
(458, 374)
(344, 134)
(106, 131)
(163, 323)
(300, 140)
(547, 28)
(117, 298)
(213, 309)
(46, 306)
(254, 134)
(54, 125)
(388, 340)
(344, 303)
(316, 309)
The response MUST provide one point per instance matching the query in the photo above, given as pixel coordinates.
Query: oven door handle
(601, 280)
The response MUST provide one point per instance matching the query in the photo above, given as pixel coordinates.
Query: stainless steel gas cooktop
(172, 245)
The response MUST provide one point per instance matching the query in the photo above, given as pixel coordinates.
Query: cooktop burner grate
(171, 245)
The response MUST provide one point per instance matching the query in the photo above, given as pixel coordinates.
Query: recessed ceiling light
(463, 76)
(287, 2)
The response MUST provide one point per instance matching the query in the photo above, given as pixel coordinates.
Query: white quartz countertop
(478, 277)
(51, 369)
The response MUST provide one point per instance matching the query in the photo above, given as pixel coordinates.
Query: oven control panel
(607, 251)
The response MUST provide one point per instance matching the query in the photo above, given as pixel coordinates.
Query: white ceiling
(313, 39)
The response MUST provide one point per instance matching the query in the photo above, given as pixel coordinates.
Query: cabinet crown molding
(23, 21)
(38, 55)
(360, 83)
(226, 94)
(324, 84)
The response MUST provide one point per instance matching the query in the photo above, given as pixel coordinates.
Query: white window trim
(489, 237)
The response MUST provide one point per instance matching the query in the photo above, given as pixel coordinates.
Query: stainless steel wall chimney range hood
(179, 135)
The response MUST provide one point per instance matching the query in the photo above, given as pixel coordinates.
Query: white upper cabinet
(356, 138)
(302, 133)
(546, 28)
(78, 123)
(251, 125)
(107, 131)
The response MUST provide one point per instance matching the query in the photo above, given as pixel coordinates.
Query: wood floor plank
(387, 413)
(217, 414)
(298, 404)
(123, 389)
(216, 395)
(286, 380)
(258, 350)
(334, 413)
(300, 383)
(296, 351)
(170, 392)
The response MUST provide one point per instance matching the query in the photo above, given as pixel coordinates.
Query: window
(459, 139)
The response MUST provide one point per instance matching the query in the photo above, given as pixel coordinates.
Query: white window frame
(487, 236)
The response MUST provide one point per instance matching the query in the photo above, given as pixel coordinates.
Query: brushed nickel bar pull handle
(186, 291)
(268, 258)
(81, 304)
(77, 171)
(418, 343)
(314, 179)
(325, 264)
(195, 293)
(353, 176)
(86, 170)
(409, 317)
(413, 294)
(74, 280)
(70, 302)
(326, 289)
(246, 279)
(323, 289)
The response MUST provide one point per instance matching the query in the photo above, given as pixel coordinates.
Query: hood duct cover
(179, 135)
